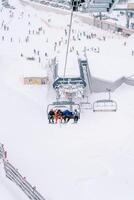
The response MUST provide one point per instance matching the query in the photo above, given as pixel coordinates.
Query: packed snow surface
(91, 160)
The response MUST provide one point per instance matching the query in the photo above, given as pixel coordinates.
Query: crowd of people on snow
(42, 29)
(63, 116)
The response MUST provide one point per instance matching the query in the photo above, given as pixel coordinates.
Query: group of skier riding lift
(55, 115)
(63, 116)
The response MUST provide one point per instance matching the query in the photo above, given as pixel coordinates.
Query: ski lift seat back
(105, 105)
(63, 105)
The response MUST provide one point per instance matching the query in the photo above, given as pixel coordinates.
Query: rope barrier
(13, 174)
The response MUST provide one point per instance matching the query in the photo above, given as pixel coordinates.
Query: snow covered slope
(91, 160)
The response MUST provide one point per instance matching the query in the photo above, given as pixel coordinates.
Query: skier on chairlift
(58, 115)
(51, 116)
(76, 116)
(67, 115)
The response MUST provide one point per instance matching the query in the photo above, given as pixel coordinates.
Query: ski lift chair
(105, 105)
(63, 105)
(86, 105)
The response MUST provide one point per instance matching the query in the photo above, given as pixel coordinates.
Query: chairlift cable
(68, 42)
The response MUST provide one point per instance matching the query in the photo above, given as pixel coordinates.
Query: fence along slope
(13, 174)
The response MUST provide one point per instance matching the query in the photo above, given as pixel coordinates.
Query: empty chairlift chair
(86, 105)
(105, 105)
